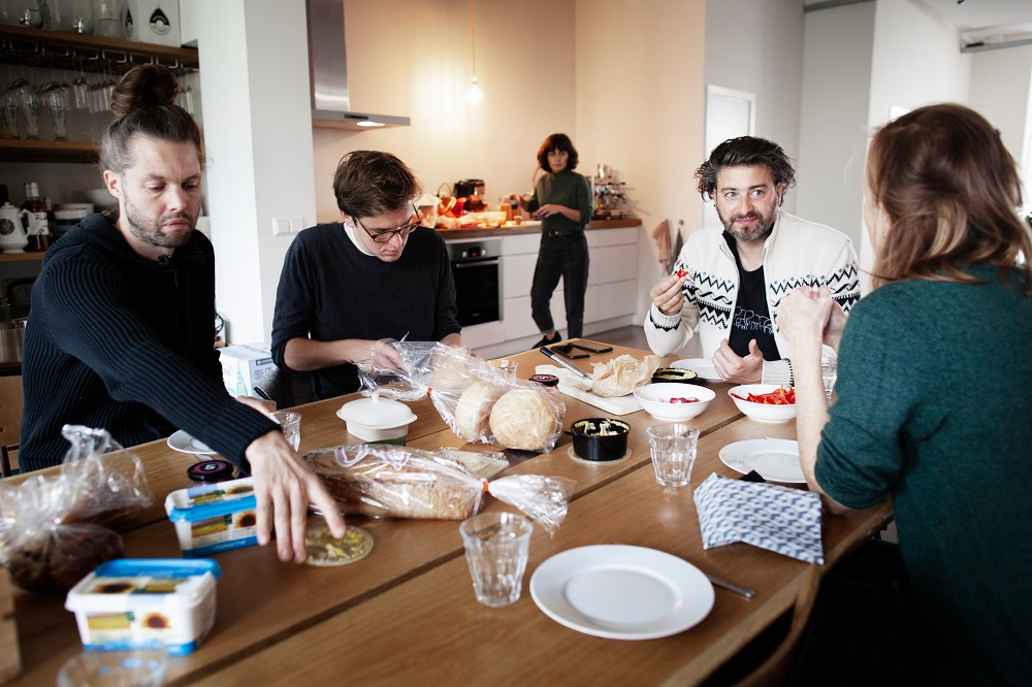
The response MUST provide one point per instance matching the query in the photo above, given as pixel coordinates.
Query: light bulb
(474, 95)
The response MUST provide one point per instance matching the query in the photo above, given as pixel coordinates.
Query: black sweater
(330, 290)
(121, 342)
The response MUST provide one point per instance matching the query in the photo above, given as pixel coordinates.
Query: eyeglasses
(385, 236)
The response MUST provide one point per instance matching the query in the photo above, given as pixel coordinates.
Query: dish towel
(779, 519)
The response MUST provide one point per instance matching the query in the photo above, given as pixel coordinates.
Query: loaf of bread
(418, 489)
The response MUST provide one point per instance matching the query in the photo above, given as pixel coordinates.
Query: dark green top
(934, 388)
(563, 188)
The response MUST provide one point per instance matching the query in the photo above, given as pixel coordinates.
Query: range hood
(328, 67)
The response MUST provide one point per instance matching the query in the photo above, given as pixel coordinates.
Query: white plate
(777, 460)
(621, 592)
(181, 441)
(702, 367)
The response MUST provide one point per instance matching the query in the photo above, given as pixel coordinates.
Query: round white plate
(701, 366)
(621, 592)
(777, 460)
(181, 441)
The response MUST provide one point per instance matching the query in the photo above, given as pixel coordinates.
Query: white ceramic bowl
(377, 420)
(761, 412)
(655, 399)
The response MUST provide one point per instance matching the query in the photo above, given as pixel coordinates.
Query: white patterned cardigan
(797, 253)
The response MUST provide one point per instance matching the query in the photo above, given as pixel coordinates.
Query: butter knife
(743, 592)
(553, 356)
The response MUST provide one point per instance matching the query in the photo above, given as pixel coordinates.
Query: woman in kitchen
(562, 201)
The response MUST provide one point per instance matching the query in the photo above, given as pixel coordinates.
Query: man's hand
(379, 355)
(747, 370)
(283, 488)
(804, 317)
(668, 295)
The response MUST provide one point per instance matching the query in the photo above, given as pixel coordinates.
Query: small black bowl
(589, 445)
(675, 375)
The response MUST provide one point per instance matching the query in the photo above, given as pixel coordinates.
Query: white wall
(838, 45)
(415, 58)
(758, 47)
(640, 106)
(259, 146)
(1000, 82)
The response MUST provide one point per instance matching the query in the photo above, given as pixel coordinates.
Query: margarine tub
(214, 517)
(146, 603)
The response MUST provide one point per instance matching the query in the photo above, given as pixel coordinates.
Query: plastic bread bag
(382, 480)
(466, 390)
(51, 528)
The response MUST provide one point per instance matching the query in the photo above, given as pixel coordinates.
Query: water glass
(497, 548)
(673, 449)
(114, 669)
(291, 425)
(829, 373)
(507, 366)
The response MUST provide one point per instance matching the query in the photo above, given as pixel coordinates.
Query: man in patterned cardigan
(727, 285)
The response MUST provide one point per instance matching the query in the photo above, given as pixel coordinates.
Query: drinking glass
(673, 449)
(57, 103)
(108, 18)
(114, 669)
(829, 373)
(80, 16)
(291, 425)
(497, 548)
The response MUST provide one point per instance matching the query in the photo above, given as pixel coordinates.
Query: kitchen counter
(532, 228)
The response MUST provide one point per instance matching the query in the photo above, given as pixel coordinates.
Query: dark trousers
(566, 256)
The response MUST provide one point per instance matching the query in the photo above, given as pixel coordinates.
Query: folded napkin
(779, 519)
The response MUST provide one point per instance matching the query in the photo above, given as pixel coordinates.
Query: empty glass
(673, 449)
(109, 18)
(80, 16)
(829, 372)
(497, 548)
(291, 425)
(507, 367)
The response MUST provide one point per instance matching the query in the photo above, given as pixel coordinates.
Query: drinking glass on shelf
(9, 114)
(30, 104)
(80, 16)
(497, 548)
(30, 12)
(57, 103)
(673, 448)
(108, 18)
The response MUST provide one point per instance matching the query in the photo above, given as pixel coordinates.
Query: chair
(10, 421)
(776, 668)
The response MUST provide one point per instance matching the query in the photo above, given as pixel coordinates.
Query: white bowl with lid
(377, 420)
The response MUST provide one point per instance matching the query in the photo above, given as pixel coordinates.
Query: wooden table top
(269, 613)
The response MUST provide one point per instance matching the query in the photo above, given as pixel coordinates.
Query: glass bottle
(38, 228)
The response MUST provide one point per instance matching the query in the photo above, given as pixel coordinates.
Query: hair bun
(143, 87)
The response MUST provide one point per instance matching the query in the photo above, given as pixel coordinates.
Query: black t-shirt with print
(751, 317)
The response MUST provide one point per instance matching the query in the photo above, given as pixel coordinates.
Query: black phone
(566, 351)
(592, 349)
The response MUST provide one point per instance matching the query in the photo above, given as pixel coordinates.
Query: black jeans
(566, 256)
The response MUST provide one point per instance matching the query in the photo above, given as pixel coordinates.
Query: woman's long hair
(951, 192)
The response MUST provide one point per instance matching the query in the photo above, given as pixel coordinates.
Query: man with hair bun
(377, 274)
(121, 329)
(727, 285)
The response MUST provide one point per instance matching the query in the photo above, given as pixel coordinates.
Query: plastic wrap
(51, 534)
(400, 482)
(466, 390)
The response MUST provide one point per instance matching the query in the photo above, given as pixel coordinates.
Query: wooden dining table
(407, 613)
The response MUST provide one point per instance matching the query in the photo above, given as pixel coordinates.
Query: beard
(148, 230)
(759, 231)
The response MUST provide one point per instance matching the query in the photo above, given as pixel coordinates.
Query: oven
(477, 270)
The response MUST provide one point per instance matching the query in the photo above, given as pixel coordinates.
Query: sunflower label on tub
(214, 517)
(146, 603)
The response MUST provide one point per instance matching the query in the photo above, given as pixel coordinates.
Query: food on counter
(524, 419)
(214, 517)
(450, 372)
(601, 428)
(782, 396)
(474, 408)
(681, 375)
(621, 375)
(545, 380)
(600, 439)
(137, 603)
(326, 550)
(683, 399)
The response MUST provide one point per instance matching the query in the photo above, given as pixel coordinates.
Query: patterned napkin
(779, 519)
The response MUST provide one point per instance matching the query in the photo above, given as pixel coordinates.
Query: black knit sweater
(121, 342)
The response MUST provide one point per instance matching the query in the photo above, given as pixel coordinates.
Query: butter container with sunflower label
(214, 517)
(146, 603)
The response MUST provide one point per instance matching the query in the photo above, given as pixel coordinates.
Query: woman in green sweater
(933, 392)
(562, 201)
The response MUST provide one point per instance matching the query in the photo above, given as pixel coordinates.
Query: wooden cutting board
(10, 658)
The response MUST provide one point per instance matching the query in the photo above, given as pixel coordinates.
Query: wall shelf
(39, 150)
(61, 49)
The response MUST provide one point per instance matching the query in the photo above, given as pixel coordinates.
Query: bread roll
(524, 419)
(450, 371)
(474, 408)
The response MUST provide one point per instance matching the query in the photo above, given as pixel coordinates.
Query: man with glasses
(376, 274)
